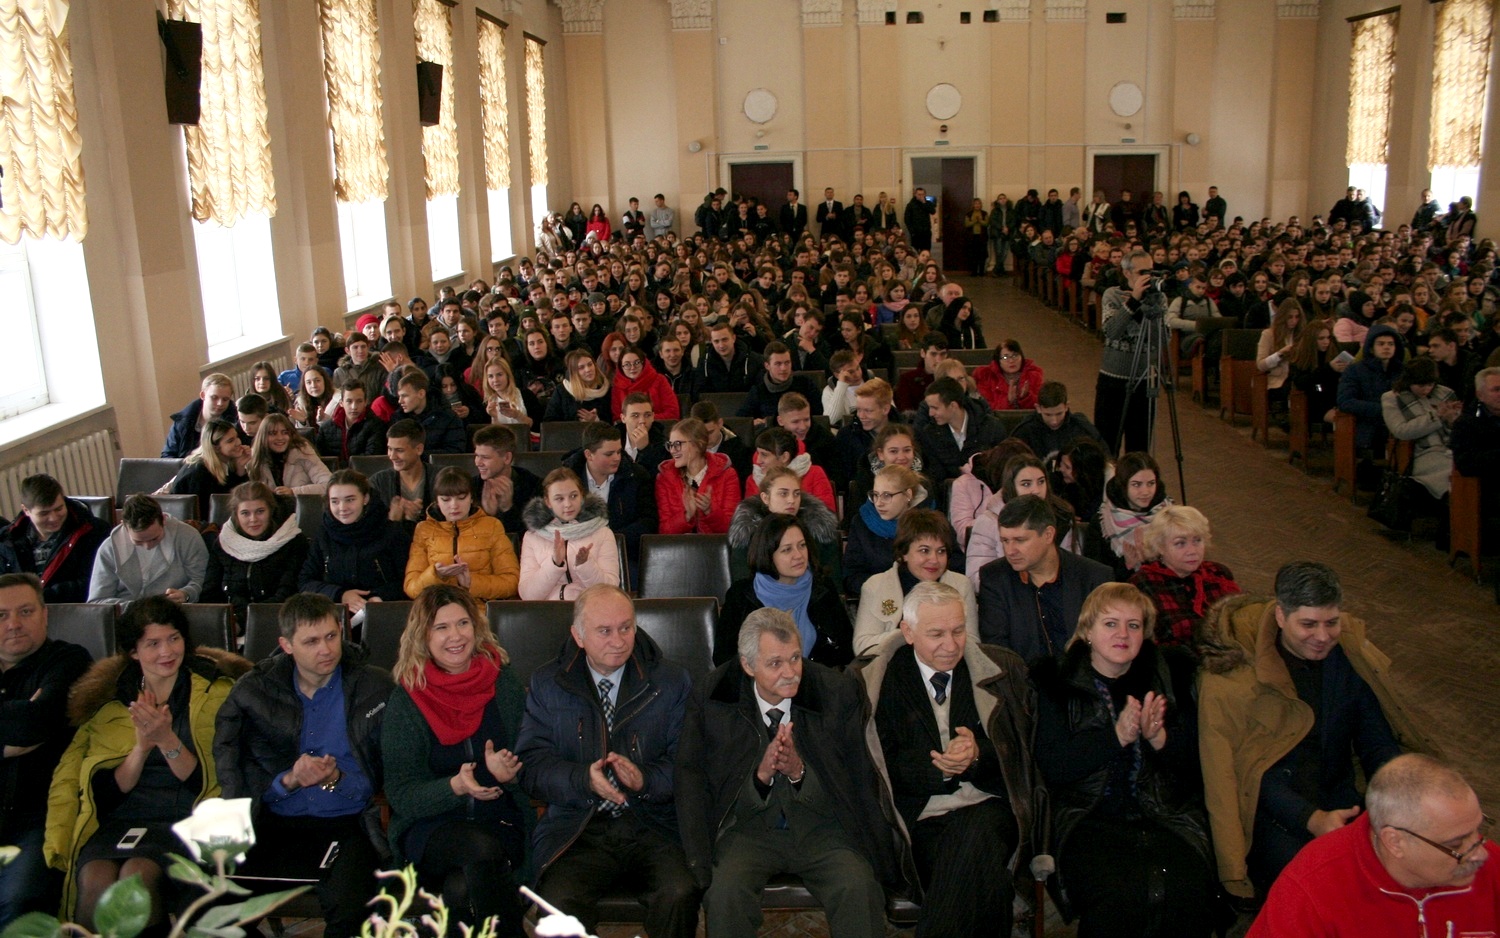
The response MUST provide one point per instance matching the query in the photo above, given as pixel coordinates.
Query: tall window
(536, 125)
(1460, 73)
(46, 315)
(496, 105)
(351, 72)
(229, 172)
(1372, 72)
(434, 26)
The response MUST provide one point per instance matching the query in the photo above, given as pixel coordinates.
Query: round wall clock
(943, 101)
(760, 105)
(1126, 98)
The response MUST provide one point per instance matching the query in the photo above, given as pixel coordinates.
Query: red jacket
(723, 488)
(996, 391)
(664, 403)
(814, 482)
(1336, 887)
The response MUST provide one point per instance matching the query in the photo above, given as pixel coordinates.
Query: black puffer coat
(369, 554)
(240, 582)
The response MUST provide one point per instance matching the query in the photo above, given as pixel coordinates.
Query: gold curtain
(1372, 73)
(1460, 71)
(536, 111)
(229, 152)
(40, 148)
(434, 23)
(351, 69)
(496, 107)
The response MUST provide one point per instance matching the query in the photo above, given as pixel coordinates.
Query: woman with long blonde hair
(284, 459)
(583, 394)
(506, 401)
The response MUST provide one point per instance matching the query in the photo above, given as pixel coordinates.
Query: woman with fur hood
(568, 545)
(141, 760)
(781, 493)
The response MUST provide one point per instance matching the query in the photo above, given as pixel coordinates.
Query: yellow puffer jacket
(104, 738)
(1249, 717)
(481, 542)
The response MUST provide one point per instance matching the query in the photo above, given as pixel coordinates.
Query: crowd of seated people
(923, 551)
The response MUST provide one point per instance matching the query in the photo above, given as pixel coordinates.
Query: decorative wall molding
(1066, 10)
(872, 12)
(1012, 11)
(1297, 9)
(822, 13)
(692, 14)
(1193, 9)
(582, 17)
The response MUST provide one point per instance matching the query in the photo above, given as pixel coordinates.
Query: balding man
(1418, 862)
(597, 745)
(950, 740)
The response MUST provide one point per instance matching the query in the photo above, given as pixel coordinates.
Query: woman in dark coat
(257, 555)
(359, 554)
(1117, 748)
(961, 325)
(782, 576)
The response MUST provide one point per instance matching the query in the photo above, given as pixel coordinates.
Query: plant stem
(216, 891)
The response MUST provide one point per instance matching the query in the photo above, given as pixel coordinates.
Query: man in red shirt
(1417, 862)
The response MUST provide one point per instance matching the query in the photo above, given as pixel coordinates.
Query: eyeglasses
(879, 497)
(1010, 357)
(631, 364)
(1458, 856)
(674, 446)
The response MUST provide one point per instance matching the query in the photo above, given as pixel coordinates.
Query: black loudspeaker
(183, 42)
(430, 93)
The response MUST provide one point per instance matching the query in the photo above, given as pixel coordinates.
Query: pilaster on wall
(406, 205)
(1406, 167)
(1192, 110)
(583, 45)
(826, 58)
(879, 80)
(822, 13)
(1291, 142)
(696, 83)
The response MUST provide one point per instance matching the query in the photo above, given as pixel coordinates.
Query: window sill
(45, 419)
(242, 347)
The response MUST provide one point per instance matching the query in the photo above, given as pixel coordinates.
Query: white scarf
(249, 550)
(799, 465)
(574, 530)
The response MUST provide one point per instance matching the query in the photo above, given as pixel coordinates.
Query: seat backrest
(906, 358)
(563, 435)
(742, 427)
(384, 623)
(727, 401)
(683, 627)
(211, 624)
(531, 631)
(684, 565)
(538, 464)
(91, 625)
(181, 507)
(218, 508)
(310, 515)
(441, 461)
(972, 357)
(368, 465)
(143, 475)
(1011, 418)
(262, 630)
(100, 506)
(1241, 344)
(624, 562)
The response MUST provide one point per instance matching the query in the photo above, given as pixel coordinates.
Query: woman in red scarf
(458, 812)
(1180, 583)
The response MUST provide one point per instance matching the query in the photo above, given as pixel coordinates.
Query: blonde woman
(504, 400)
(583, 394)
(283, 459)
(214, 468)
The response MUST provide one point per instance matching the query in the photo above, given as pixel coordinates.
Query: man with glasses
(1291, 694)
(1418, 862)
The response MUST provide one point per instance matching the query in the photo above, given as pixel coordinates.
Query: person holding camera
(1122, 402)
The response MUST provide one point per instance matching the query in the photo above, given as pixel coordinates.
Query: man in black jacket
(626, 488)
(55, 538)
(918, 220)
(830, 217)
(1029, 600)
(502, 488)
(776, 380)
(352, 430)
(300, 736)
(960, 427)
(728, 364)
(215, 401)
(35, 675)
(793, 215)
(773, 777)
(1054, 427)
(597, 744)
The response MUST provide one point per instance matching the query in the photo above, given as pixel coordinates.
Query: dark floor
(1437, 625)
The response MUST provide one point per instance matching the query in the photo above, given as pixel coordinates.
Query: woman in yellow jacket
(142, 757)
(458, 544)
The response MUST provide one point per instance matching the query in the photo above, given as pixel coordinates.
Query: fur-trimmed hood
(815, 517)
(101, 683)
(537, 515)
(1225, 637)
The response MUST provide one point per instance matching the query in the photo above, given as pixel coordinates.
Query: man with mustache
(1291, 693)
(773, 777)
(1417, 862)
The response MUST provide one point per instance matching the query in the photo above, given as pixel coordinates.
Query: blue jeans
(26, 883)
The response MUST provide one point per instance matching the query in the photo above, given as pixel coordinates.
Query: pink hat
(367, 319)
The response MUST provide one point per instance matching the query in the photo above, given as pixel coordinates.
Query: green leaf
(228, 931)
(260, 906)
(235, 889)
(186, 871)
(218, 916)
(7, 854)
(33, 925)
(123, 909)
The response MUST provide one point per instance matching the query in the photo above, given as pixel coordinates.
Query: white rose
(216, 824)
(560, 926)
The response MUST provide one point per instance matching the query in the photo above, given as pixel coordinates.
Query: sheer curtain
(434, 24)
(351, 70)
(1372, 74)
(1460, 71)
(536, 111)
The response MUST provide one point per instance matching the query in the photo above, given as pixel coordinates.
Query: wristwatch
(334, 782)
(172, 753)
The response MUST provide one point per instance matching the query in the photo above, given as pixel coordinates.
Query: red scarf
(454, 703)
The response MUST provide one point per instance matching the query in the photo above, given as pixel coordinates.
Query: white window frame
(23, 381)
(1370, 177)
(237, 280)
(1451, 182)
(539, 204)
(500, 230)
(443, 244)
(365, 253)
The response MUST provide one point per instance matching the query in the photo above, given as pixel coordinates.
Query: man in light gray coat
(149, 554)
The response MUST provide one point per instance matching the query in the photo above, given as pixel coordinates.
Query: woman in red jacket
(636, 374)
(1011, 381)
(696, 491)
(598, 224)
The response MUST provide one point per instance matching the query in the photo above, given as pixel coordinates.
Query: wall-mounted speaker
(430, 93)
(183, 43)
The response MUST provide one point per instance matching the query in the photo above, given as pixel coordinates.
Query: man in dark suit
(856, 216)
(626, 488)
(831, 216)
(918, 220)
(960, 427)
(1029, 600)
(773, 777)
(964, 809)
(793, 215)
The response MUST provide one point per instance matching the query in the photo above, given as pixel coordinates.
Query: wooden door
(767, 182)
(1118, 171)
(957, 196)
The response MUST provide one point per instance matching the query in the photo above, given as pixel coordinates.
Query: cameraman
(1121, 401)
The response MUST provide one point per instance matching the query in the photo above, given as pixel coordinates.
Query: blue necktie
(940, 681)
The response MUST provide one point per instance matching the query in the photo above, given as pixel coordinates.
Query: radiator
(241, 378)
(85, 466)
